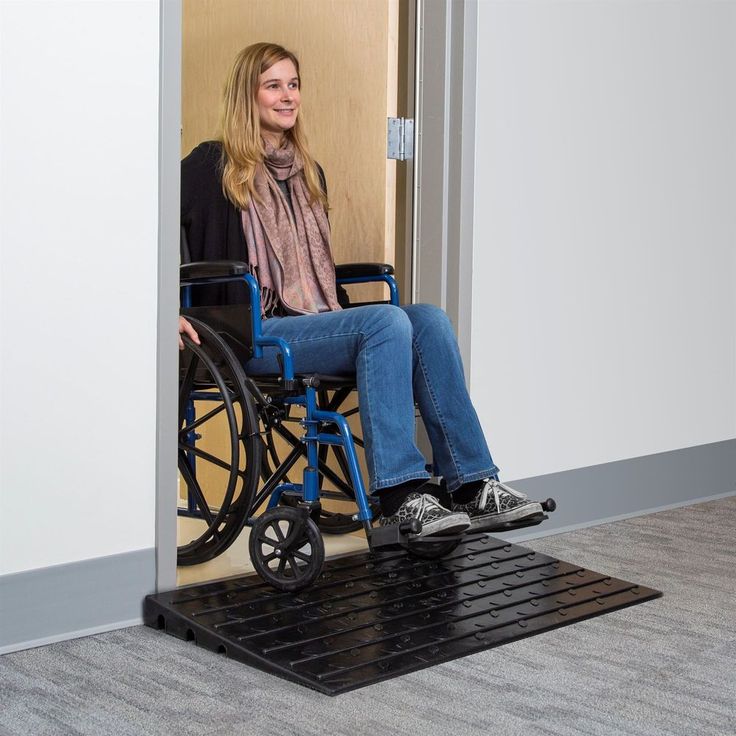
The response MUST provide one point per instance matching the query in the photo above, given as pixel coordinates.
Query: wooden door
(348, 53)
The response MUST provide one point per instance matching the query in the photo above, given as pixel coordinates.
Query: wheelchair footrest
(509, 526)
(388, 537)
(372, 617)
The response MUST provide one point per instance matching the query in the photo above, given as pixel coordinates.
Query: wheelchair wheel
(221, 471)
(286, 548)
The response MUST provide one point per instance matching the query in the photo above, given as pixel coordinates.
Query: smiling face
(278, 99)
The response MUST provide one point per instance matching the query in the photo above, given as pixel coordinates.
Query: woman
(258, 196)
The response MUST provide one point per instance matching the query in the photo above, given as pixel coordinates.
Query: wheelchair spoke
(330, 474)
(277, 528)
(301, 556)
(323, 468)
(293, 565)
(282, 566)
(270, 557)
(291, 438)
(204, 455)
(271, 445)
(194, 488)
(337, 399)
(198, 422)
(265, 467)
(276, 478)
(341, 484)
(267, 540)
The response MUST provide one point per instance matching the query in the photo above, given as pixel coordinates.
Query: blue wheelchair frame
(314, 416)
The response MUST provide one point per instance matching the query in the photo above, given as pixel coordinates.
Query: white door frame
(443, 227)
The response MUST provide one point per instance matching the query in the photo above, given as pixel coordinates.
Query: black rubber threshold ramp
(370, 618)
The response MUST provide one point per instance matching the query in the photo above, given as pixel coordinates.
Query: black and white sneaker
(436, 519)
(497, 504)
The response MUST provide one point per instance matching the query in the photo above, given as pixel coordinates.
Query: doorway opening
(358, 69)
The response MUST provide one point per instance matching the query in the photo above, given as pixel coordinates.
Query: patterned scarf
(289, 252)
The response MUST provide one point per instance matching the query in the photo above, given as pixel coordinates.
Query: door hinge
(400, 139)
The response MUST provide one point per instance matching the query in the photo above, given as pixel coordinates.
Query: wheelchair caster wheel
(549, 505)
(286, 548)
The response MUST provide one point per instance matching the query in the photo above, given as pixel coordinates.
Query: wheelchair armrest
(362, 270)
(211, 269)
(361, 273)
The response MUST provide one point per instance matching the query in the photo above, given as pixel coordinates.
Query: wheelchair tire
(286, 548)
(210, 374)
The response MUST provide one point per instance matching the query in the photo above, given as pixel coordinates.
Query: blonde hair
(243, 148)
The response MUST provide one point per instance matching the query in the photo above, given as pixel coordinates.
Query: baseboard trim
(544, 531)
(52, 604)
(601, 494)
(66, 636)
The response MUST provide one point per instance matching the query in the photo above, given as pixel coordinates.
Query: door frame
(445, 163)
(442, 211)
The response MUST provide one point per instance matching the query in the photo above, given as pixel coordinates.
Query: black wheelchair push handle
(211, 269)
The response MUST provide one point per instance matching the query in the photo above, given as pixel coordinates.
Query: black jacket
(211, 222)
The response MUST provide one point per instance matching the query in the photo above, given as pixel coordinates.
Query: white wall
(605, 230)
(78, 260)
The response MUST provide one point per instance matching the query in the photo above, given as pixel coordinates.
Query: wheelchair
(226, 487)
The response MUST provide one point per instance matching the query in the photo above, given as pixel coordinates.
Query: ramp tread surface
(369, 617)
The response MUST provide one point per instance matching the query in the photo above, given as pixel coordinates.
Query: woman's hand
(185, 328)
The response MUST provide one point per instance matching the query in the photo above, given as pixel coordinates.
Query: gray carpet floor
(663, 667)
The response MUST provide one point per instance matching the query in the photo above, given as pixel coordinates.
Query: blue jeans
(400, 355)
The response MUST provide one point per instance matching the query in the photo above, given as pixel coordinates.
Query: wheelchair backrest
(231, 321)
